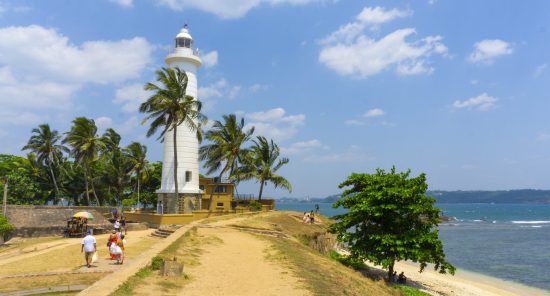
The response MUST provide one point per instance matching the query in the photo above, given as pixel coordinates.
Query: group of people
(401, 279)
(310, 217)
(116, 243)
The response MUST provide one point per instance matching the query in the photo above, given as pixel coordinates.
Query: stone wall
(32, 221)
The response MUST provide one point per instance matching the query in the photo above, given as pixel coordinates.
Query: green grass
(410, 291)
(347, 261)
(127, 288)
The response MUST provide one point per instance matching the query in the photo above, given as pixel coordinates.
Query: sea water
(507, 241)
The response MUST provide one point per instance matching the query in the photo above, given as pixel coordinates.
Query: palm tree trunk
(93, 191)
(138, 190)
(86, 182)
(261, 190)
(54, 184)
(175, 129)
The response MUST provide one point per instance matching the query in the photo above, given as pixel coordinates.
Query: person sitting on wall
(306, 217)
(311, 217)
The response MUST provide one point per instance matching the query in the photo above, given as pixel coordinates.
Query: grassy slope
(321, 275)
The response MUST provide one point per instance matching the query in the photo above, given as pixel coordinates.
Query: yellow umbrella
(86, 215)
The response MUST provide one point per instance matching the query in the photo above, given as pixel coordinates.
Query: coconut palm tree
(136, 153)
(114, 165)
(169, 106)
(225, 151)
(45, 143)
(262, 163)
(86, 146)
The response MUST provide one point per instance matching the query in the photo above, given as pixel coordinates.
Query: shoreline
(464, 282)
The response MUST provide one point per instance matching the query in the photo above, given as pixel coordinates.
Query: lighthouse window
(187, 176)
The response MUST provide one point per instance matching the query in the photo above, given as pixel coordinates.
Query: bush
(156, 262)
(128, 202)
(255, 205)
(5, 227)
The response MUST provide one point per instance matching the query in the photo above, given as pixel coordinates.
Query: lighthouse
(187, 59)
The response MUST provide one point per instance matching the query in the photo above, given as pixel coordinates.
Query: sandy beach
(463, 283)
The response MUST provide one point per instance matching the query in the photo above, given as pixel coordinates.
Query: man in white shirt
(88, 247)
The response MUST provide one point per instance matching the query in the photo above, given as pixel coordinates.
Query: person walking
(88, 247)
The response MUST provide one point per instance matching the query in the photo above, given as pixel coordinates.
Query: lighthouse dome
(184, 39)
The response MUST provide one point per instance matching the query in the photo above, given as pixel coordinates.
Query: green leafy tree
(139, 166)
(151, 184)
(86, 146)
(390, 219)
(262, 164)
(226, 148)
(169, 106)
(113, 167)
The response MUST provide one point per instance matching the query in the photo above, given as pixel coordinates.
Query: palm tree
(44, 143)
(227, 138)
(86, 146)
(169, 106)
(136, 153)
(115, 165)
(262, 163)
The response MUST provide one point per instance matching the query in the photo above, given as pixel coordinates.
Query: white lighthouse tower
(186, 140)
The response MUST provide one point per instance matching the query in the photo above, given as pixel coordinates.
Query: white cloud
(257, 87)
(540, 70)
(543, 137)
(370, 17)
(103, 122)
(218, 89)
(301, 147)
(374, 112)
(275, 123)
(483, 102)
(124, 3)
(131, 96)
(210, 59)
(365, 57)
(354, 122)
(486, 51)
(378, 15)
(41, 69)
(226, 9)
(6, 7)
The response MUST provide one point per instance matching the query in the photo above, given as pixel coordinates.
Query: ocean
(506, 241)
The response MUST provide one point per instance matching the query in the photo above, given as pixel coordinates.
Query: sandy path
(238, 267)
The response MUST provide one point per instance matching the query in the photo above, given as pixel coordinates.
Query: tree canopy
(390, 219)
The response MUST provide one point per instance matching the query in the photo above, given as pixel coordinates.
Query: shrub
(348, 260)
(255, 205)
(5, 227)
(128, 202)
(156, 262)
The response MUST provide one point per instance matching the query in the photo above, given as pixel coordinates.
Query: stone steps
(163, 232)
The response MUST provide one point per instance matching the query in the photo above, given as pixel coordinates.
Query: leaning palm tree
(139, 165)
(226, 150)
(262, 163)
(44, 143)
(86, 145)
(169, 106)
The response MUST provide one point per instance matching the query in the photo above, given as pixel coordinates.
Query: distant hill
(459, 196)
(499, 196)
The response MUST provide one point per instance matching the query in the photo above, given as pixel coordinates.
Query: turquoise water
(507, 241)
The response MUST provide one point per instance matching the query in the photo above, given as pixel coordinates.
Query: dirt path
(238, 266)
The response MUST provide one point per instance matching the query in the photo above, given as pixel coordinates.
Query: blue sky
(456, 89)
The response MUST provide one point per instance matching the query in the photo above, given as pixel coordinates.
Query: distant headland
(530, 196)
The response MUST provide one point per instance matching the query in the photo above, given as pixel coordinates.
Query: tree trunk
(261, 190)
(390, 272)
(54, 183)
(86, 182)
(138, 190)
(93, 192)
(175, 129)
